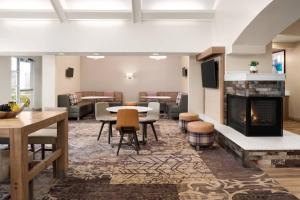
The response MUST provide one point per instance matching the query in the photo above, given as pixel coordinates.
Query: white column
(49, 97)
(5, 80)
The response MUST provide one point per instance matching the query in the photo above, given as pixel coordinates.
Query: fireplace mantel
(245, 76)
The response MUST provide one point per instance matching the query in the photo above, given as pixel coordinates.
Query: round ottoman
(201, 134)
(185, 118)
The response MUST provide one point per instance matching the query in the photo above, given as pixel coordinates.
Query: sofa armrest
(63, 101)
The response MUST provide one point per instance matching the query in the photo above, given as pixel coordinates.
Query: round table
(140, 109)
(95, 98)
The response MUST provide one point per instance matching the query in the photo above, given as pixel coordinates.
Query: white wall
(104, 36)
(292, 80)
(241, 62)
(63, 84)
(5, 82)
(196, 91)
(232, 17)
(150, 75)
(185, 62)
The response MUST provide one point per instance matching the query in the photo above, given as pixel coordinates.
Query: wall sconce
(130, 76)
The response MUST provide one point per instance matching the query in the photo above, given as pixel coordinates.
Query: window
(21, 79)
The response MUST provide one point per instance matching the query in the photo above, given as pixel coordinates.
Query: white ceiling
(290, 34)
(136, 10)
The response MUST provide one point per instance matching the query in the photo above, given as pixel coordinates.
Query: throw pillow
(73, 99)
(178, 98)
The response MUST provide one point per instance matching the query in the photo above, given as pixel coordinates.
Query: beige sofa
(116, 101)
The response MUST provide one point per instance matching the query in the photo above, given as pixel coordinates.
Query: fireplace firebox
(255, 116)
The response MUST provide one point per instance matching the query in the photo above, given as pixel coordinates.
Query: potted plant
(253, 66)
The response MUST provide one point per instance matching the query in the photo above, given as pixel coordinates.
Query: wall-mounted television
(69, 72)
(210, 74)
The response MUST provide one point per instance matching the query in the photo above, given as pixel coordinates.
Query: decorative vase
(253, 69)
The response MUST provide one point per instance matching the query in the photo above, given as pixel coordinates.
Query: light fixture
(130, 75)
(96, 57)
(156, 56)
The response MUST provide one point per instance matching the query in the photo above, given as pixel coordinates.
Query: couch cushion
(109, 94)
(80, 106)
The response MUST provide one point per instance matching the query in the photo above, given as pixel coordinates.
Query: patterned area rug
(168, 169)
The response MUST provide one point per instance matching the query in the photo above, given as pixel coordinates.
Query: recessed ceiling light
(96, 57)
(156, 56)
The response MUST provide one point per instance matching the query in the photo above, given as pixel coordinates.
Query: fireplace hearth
(255, 116)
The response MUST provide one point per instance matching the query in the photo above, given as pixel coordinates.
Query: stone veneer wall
(252, 88)
(262, 159)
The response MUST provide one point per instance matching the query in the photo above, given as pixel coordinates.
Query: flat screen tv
(209, 70)
(69, 72)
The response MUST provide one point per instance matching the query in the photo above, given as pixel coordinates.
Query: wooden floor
(287, 177)
(292, 126)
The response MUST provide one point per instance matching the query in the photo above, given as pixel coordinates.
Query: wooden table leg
(62, 143)
(19, 164)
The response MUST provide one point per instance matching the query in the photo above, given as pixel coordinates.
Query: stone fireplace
(255, 116)
(253, 103)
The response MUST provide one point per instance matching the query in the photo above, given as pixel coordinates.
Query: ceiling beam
(178, 15)
(59, 10)
(27, 14)
(136, 11)
(77, 15)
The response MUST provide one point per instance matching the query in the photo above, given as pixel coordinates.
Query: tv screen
(69, 72)
(209, 70)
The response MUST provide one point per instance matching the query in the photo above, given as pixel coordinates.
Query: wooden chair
(128, 123)
(151, 118)
(5, 166)
(102, 115)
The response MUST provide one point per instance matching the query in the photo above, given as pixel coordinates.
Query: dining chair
(46, 136)
(128, 123)
(104, 116)
(151, 118)
(4, 170)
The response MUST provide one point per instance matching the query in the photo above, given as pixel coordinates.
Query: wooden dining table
(18, 129)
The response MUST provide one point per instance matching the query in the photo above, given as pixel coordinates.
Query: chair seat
(106, 118)
(147, 119)
(4, 160)
(43, 136)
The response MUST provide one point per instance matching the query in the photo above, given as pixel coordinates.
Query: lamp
(130, 75)
(96, 57)
(156, 56)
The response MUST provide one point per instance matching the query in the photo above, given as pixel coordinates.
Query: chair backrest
(55, 109)
(63, 100)
(100, 109)
(4, 167)
(155, 112)
(183, 104)
(127, 118)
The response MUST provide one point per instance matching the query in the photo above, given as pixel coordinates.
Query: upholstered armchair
(174, 110)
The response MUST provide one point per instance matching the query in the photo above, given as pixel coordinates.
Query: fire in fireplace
(255, 116)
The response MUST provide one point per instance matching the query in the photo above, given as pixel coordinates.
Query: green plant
(25, 100)
(254, 63)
